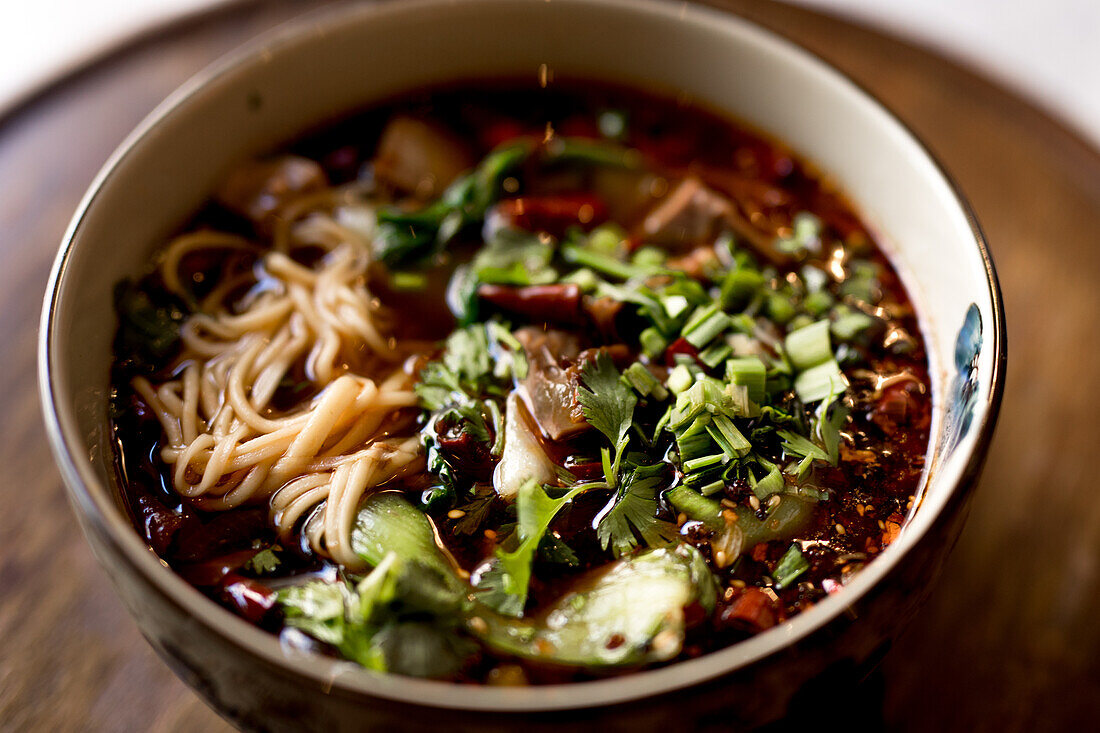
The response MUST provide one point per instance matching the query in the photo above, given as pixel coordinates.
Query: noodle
(225, 445)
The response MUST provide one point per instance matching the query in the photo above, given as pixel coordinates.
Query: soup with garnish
(513, 383)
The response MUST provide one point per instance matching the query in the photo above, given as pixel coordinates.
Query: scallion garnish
(819, 382)
(749, 372)
(807, 347)
(790, 566)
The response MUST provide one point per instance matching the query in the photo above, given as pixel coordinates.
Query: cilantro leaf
(492, 592)
(534, 512)
(475, 512)
(263, 562)
(608, 404)
(631, 515)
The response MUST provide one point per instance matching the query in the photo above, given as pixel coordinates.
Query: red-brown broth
(874, 485)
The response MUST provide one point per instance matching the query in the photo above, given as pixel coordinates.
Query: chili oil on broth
(240, 559)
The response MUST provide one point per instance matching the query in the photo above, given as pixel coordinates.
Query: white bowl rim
(93, 499)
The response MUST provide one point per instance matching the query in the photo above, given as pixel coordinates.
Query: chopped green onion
(705, 324)
(799, 445)
(728, 437)
(816, 304)
(404, 280)
(712, 488)
(819, 382)
(807, 347)
(642, 380)
(780, 308)
(738, 288)
(649, 257)
(748, 371)
(814, 278)
(771, 484)
(605, 239)
(850, 325)
(696, 507)
(674, 305)
(679, 379)
(743, 324)
(805, 235)
(698, 464)
(862, 281)
(790, 566)
(653, 343)
(715, 354)
(800, 321)
(601, 262)
(585, 278)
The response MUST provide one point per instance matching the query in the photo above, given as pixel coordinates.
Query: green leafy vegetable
(630, 517)
(534, 512)
(629, 612)
(403, 617)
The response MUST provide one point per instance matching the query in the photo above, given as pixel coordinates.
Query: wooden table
(1010, 639)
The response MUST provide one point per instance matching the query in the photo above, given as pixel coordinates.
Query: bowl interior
(330, 63)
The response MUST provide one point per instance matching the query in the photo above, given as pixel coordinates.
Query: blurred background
(1047, 49)
(1005, 92)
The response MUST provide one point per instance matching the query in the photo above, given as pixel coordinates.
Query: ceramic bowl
(329, 63)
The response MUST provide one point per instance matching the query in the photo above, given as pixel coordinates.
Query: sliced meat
(419, 158)
(690, 214)
(550, 389)
(693, 214)
(260, 190)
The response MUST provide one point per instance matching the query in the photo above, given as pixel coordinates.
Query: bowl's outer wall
(811, 674)
(326, 67)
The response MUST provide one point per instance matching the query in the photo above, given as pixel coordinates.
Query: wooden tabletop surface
(1010, 639)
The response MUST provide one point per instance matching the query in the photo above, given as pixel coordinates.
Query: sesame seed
(456, 514)
(754, 503)
(774, 501)
(839, 528)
